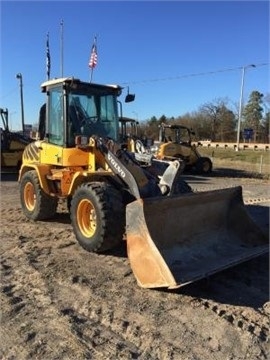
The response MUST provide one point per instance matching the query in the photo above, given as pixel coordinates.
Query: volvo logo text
(116, 166)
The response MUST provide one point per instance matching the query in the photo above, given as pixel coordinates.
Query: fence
(225, 145)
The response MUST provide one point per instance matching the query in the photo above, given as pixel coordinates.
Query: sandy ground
(60, 302)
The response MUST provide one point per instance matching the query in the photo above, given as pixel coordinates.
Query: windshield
(179, 135)
(92, 115)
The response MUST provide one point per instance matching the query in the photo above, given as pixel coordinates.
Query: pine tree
(252, 114)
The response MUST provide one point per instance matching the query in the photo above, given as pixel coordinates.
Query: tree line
(215, 121)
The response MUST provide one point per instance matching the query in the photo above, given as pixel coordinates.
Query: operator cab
(178, 134)
(76, 108)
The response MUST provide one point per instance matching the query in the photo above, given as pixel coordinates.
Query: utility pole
(241, 104)
(19, 76)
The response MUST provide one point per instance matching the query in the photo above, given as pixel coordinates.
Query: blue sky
(174, 55)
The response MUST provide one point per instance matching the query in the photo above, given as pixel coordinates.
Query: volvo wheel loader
(173, 238)
(175, 142)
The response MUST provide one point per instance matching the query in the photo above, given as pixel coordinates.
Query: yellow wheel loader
(12, 145)
(130, 137)
(128, 128)
(173, 237)
(135, 144)
(175, 142)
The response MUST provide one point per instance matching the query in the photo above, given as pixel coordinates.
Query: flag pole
(91, 76)
(62, 48)
(48, 57)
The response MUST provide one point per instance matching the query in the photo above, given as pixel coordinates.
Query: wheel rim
(30, 196)
(86, 218)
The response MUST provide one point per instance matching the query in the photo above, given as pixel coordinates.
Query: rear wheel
(182, 187)
(97, 216)
(36, 204)
(204, 165)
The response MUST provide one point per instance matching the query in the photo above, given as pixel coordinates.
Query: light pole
(136, 114)
(19, 76)
(241, 104)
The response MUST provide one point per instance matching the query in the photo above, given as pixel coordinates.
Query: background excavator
(176, 142)
(130, 134)
(12, 145)
(139, 149)
(173, 237)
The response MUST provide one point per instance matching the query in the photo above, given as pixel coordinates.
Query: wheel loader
(173, 237)
(129, 133)
(175, 142)
(12, 145)
(133, 142)
(128, 128)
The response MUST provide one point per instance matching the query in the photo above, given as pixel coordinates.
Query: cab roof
(173, 126)
(73, 80)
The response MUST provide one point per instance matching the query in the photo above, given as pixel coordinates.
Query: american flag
(48, 57)
(93, 57)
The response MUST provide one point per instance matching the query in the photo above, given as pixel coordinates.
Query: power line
(188, 75)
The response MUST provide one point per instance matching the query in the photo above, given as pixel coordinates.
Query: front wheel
(204, 165)
(182, 187)
(97, 216)
(36, 204)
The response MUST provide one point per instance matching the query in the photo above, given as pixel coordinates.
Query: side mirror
(130, 98)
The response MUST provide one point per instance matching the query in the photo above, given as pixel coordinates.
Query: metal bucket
(173, 241)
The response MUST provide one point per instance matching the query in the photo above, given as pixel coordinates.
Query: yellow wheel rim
(86, 218)
(30, 197)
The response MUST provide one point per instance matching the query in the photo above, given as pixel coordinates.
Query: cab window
(55, 114)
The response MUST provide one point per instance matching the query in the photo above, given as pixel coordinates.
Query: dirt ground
(60, 302)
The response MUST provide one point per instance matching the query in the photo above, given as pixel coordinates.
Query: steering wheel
(92, 119)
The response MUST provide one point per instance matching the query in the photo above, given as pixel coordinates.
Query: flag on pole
(48, 58)
(93, 57)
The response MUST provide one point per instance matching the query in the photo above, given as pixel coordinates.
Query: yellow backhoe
(173, 237)
(175, 141)
(12, 145)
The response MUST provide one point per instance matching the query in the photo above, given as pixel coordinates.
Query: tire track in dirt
(61, 302)
(28, 293)
(100, 318)
(41, 292)
(256, 324)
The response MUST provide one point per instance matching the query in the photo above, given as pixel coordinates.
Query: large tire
(36, 204)
(98, 216)
(204, 165)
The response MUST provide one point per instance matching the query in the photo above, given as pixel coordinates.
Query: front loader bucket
(173, 241)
